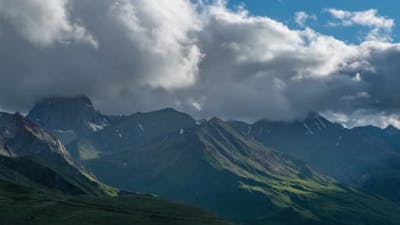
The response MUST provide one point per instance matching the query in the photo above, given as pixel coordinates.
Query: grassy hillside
(236, 177)
(364, 157)
(29, 155)
(41, 184)
(53, 176)
(20, 205)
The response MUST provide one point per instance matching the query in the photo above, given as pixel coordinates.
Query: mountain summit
(68, 118)
(364, 157)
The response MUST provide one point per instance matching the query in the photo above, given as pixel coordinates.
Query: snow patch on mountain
(322, 123)
(308, 130)
(249, 130)
(118, 133)
(96, 127)
(339, 141)
(141, 127)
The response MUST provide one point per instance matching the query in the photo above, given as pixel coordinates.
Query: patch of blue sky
(284, 11)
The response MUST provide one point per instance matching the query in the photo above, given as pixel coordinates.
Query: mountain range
(261, 173)
(364, 157)
(40, 183)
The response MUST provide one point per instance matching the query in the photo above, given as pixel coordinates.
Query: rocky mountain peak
(68, 117)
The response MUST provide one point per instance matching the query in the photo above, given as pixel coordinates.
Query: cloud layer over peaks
(202, 58)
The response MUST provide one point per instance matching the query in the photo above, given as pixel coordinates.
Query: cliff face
(31, 156)
(68, 118)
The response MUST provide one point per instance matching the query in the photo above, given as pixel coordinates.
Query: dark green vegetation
(41, 184)
(365, 157)
(21, 205)
(213, 166)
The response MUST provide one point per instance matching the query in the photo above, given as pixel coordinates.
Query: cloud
(201, 58)
(365, 118)
(381, 27)
(301, 18)
(161, 30)
(44, 23)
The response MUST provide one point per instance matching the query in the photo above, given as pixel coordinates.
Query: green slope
(365, 157)
(31, 155)
(215, 167)
(52, 176)
(20, 205)
(41, 184)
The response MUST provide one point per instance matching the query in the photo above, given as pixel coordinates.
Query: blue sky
(284, 10)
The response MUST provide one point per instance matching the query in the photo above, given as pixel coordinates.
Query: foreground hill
(41, 184)
(20, 205)
(212, 165)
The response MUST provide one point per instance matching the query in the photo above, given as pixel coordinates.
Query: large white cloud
(202, 58)
(44, 22)
(161, 30)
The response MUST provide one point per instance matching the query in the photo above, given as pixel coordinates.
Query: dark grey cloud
(140, 55)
